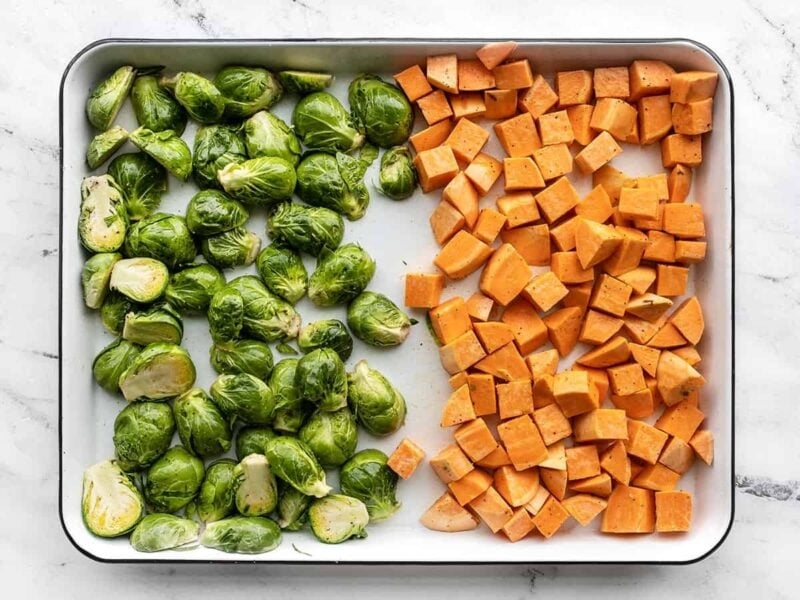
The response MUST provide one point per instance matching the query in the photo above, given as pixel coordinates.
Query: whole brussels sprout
(159, 323)
(255, 490)
(283, 272)
(108, 96)
(201, 427)
(293, 508)
(103, 220)
(142, 182)
(337, 518)
(161, 236)
(242, 535)
(201, 99)
(215, 147)
(378, 321)
(111, 362)
(293, 461)
(268, 135)
(380, 110)
(236, 247)
(321, 378)
(211, 211)
(306, 228)
(242, 356)
(173, 480)
(398, 177)
(253, 440)
(113, 311)
(140, 279)
(334, 182)
(95, 277)
(191, 289)
(322, 123)
(341, 275)
(226, 315)
(266, 317)
(158, 531)
(331, 436)
(142, 434)
(261, 181)
(304, 82)
(367, 477)
(166, 148)
(245, 397)
(377, 404)
(247, 90)
(215, 498)
(160, 371)
(155, 108)
(327, 333)
(289, 411)
(110, 504)
(104, 144)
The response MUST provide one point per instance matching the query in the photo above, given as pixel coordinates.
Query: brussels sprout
(306, 228)
(215, 147)
(321, 378)
(166, 148)
(242, 535)
(252, 440)
(142, 433)
(160, 371)
(95, 277)
(366, 477)
(201, 427)
(282, 272)
(110, 504)
(159, 323)
(141, 180)
(173, 480)
(103, 220)
(337, 518)
(376, 403)
(155, 108)
(107, 97)
(201, 98)
(321, 181)
(331, 436)
(104, 144)
(191, 290)
(289, 414)
(378, 321)
(236, 247)
(247, 90)
(161, 236)
(158, 531)
(398, 177)
(261, 181)
(111, 362)
(211, 211)
(242, 356)
(215, 498)
(266, 317)
(327, 333)
(304, 82)
(294, 462)
(140, 279)
(113, 311)
(380, 110)
(293, 508)
(245, 397)
(226, 315)
(322, 123)
(340, 276)
(268, 135)
(367, 155)
(255, 487)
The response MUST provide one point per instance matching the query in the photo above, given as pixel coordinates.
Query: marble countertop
(757, 40)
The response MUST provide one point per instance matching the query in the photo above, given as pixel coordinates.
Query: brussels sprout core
(103, 220)
(140, 279)
(337, 518)
(111, 505)
(160, 371)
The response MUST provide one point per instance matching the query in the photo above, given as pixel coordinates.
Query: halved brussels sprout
(166, 148)
(331, 436)
(293, 508)
(110, 504)
(366, 477)
(142, 182)
(111, 362)
(304, 82)
(173, 480)
(268, 135)
(378, 321)
(226, 315)
(191, 290)
(381, 110)
(236, 247)
(289, 413)
(261, 181)
(242, 356)
(161, 236)
(306, 228)
(341, 275)
(103, 220)
(215, 147)
(159, 531)
(140, 279)
(160, 371)
(321, 378)
(322, 123)
(142, 434)
(215, 498)
(253, 440)
(255, 488)
(211, 211)
(334, 182)
(267, 317)
(245, 397)
(337, 518)
(201, 427)
(155, 108)
(283, 272)
(376, 403)
(95, 277)
(160, 323)
(104, 144)
(398, 177)
(247, 90)
(201, 99)
(293, 461)
(113, 311)
(242, 535)
(326, 333)
(108, 96)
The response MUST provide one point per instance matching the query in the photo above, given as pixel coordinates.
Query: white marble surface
(757, 39)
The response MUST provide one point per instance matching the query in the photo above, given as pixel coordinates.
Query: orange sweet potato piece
(563, 328)
(492, 509)
(597, 327)
(461, 353)
(688, 319)
(531, 241)
(505, 274)
(519, 208)
(600, 424)
(516, 487)
(612, 82)
(556, 457)
(518, 135)
(458, 408)
(519, 525)
(543, 391)
(474, 75)
(693, 118)
(514, 75)
(514, 398)
(615, 461)
(673, 511)
(597, 153)
(596, 205)
(645, 441)
(553, 161)
(584, 507)
(552, 424)
(475, 439)
(690, 252)
(614, 116)
(545, 291)
(482, 393)
(539, 98)
(413, 83)
(493, 334)
(467, 104)
(649, 78)
(435, 167)
(433, 136)
(551, 517)
(691, 86)
(595, 242)
(500, 104)
(462, 255)
(681, 149)
(496, 458)
(681, 420)
(676, 378)
(445, 514)
(466, 140)
(598, 485)
(702, 442)
(671, 280)
(521, 173)
(445, 222)
(556, 128)
(494, 53)
(629, 510)
(406, 458)
(523, 442)
(626, 379)
(677, 456)
(423, 290)
(555, 480)
(574, 393)
(479, 306)
(451, 464)
(489, 225)
(684, 220)
(504, 363)
(637, 405)
(574, 87)
(613, 352)
(457, 380)
(530, 331)
(649, 307)
(470, 486)
(460, 193)
(435, 107)
(657, 477)
(580, 116)
(483, 171)
(442, 72)
(582, 462)
(450, 319)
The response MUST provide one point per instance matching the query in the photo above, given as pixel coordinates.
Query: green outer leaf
(242, 356)
(242, 535)
(110, 363)
(322, 123)
(167, 148)
(331, 436)
(268, 135)
(283, 272)
(201, 99)
(173, 480)
(294, 462)
(321, 379)
(215, 147)
(243, 396)
(96, 276)
(367, 477)
(376, 403)
(247, 90)
(104, 144)
(262, 181)
(236, 247)
(215, 498)
(267, 317)
(253, 440)
(155, 108)
(158, 531)
(162, 236)
(381, 110)
(226, 314)
(375, 319)
(210, 212)
(191, 289)
(304, 82)
(289, 411)
(326, 333)
(398, 177)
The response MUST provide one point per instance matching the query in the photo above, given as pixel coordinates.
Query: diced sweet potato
(611, 179)
(626, 379)
(492, 509)
(473, 75)
(542, 362)
(545, 291)
(435, 167)
(629, 510)
(555, 480)
(431, 137)
(532, 242)
(445, 222)
(483, 171)
(671, 280)
(551, 517)
(495, 459)
(504, 363)
(445, 514)
(677, 456)
(660, 247)
(450, 319)
(649, 78)
(553, 161)
(582, 462)
(442, 72)
(597, 153)
(681, 420)
(614, 116)
(521, 173)
(504, 275)
(600, 424)
(519, 525)
(637, 405)
(482, 393)
(563, 234)
(574, 393)
(613, 352)
(543, 391)
(479, 306)
(691, 86)
(635, 203)
(655, 118)
(557, 199)
(523, 442)
(598, 327)
(579, 295)
(500, 104)
(516, 487)
(612, 82)
(470, 486)
(539, 98)
(530, 332)
(610, 295)
(681, 149)
(702, 442)
(460, 193)
(656, 477)
(693, 118)
(466, 140)
(639, 278)
(457, 380)
(413, 82)
(556, 128)
(649, 307)
(423, 290)
(615, 461)
(645, 441)
(462, 255)
(406, 458)
(460, 354)
(435, 107)
(584, 507)
(519, 208)
(689, 252)
(493, 334)
(490, 223)
(451, 464)
(596, 205)
(684, 220)
(574, 87)
(514, 75)
(673, 511)
(458, 408)
(563, 328)
(676, 378)
(556, 457)
(552, 424)
(689, 354)
(597, 485)
(518, 135)
(494, 53)
(580, 116)
(475, 439)
(514, 398)
(595, 242)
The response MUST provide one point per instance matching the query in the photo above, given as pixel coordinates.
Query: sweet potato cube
(673, 511)
(543, 391)
(649, 78)
(494, 53)
(693, 118)
(406, 458)
(450, 319)
(671, 280)
(610, 295)
(597, 485)
(626, 379)
(655, 118)
(538, 98)
(514, 75)
(523, 442)
(442, 72)
(431, 137)
(458, 408)
(557, 199)
(457, 380)
(519, 208)
(614, 116)
(553, 161)
(597, 153)
(521, 173)
(479, 307)
(551, 517)
(500, 104)
(635, 203)
(423, 290)
(545, 291)
(692, 86)
(530, 331)
(505, 274)
(677, 456)
(467, 104)
(574, 393)
(462, 255)
(702, 442)
(451, 464)
(555, 480)
(516, 487)
(493, 334)
(435, 107)
(582, 462)
(567, 267)
(600, 424)
(460, 193)
(435, 167)
(681, 420)
(629, 510)
(490, 223)
(563, 234)
(552, 424)
(495, 459)
(514, 398)
(646, 357)
(504, 363)
(413, 83)
(596, 205)
(611, 179)
(597, 377)
(483, 171)
(615, 461)
(564, 328)
(445, 514)
(473, 75)
(544, 362)
(613, 352)
(475, 439)
(463, 352)
(612, 82)
(656, 477)
(681, 149)
(660, 247)
(574, 87)
(466, 140)
(598, 327)
(688, 319)
(445, 222)
(584, 507)
(639, 278)
(679, 182)
(645, 441)
(656, 223)
(518, 135)
(556, 457)
(492, 509)
(482, 393)
(689, 252)
(649, 307)
(519, 525)
(580, 116)
(684, 220)
(532, 242)
(556, 128)
(595, 242)
(639, 330)
(470, 486)
(689, 354)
